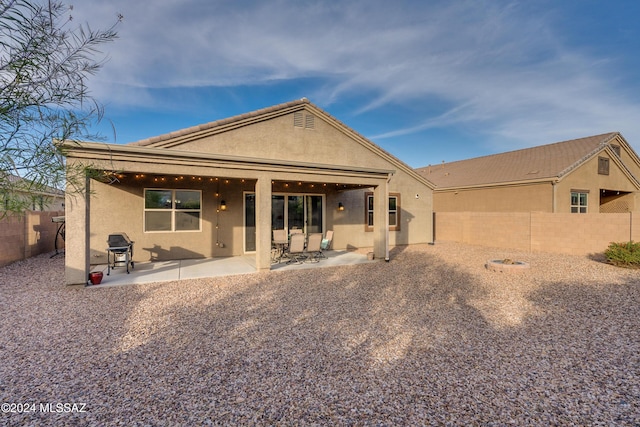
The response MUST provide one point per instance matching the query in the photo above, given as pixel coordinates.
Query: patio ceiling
(277, 185)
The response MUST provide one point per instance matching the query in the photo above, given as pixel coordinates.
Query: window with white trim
(394, 211)
(172, 210)
(578, 202)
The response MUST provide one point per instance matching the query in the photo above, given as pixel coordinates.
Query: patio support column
(77, 218)
(381, 220)
(263, 223)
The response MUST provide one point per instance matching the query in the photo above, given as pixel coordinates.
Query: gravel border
(430, 338)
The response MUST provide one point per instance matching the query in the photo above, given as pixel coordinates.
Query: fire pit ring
(506, 265)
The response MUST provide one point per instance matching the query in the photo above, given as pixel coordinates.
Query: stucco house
(219, 189)
(23, 192)
(598, 173)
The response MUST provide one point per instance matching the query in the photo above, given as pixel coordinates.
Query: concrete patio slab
(165, 271)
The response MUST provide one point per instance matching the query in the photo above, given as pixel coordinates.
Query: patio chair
(295, 231)
(313, 247)
(326, 243)
(296, 248)
(279, 245)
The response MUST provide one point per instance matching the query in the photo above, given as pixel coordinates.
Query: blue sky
(428, 81)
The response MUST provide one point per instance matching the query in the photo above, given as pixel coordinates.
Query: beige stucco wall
(514, 198)
(320, 160)
(415, 215)
(587, 178)
(278, 139)
(108, 216)
(327, 143)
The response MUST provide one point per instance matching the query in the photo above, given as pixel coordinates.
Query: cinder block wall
(498, 229)
(577, 234)
(12, 242)
(26, 235)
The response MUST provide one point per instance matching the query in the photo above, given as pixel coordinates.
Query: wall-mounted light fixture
(340, 206)
(223, 205)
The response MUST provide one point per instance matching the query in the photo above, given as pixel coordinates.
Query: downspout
(386, 218)
(553, 193)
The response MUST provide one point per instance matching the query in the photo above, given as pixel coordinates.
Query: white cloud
(499, 66)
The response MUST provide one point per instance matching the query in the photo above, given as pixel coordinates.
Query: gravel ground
(431, 338)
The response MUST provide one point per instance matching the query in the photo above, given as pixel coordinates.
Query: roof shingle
(529, 164)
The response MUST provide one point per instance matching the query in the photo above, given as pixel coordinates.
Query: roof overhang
(115, 157)
(536, 181)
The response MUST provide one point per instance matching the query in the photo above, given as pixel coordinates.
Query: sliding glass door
(288, 211)
(249, 222)
(303, 212)
(314, 215)
(295, 213)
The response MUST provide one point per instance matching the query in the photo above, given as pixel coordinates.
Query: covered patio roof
(266, 175)
(128, 158)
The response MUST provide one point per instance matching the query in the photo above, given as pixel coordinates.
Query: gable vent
(309, 122)
(298, 119)
(616, 149)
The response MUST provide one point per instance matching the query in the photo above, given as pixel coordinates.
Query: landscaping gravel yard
(430, 338)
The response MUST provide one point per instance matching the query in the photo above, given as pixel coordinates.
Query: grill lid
(119, 239)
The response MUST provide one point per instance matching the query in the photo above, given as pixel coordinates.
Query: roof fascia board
(498, 184)
(625, 170)
(627, 147)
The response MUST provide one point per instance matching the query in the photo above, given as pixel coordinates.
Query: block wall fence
(26, 235)
(33, 233)
(568, 233)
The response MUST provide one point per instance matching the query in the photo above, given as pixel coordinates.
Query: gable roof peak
(221, 122)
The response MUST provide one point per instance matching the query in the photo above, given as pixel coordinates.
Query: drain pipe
(386, 218)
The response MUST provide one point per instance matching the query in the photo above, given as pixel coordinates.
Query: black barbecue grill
(122, 249)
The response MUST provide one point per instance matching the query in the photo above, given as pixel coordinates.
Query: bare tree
(45, 61)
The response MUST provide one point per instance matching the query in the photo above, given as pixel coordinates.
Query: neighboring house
(219, 189)
(27, 224)
(588, 175)
(47, 199)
